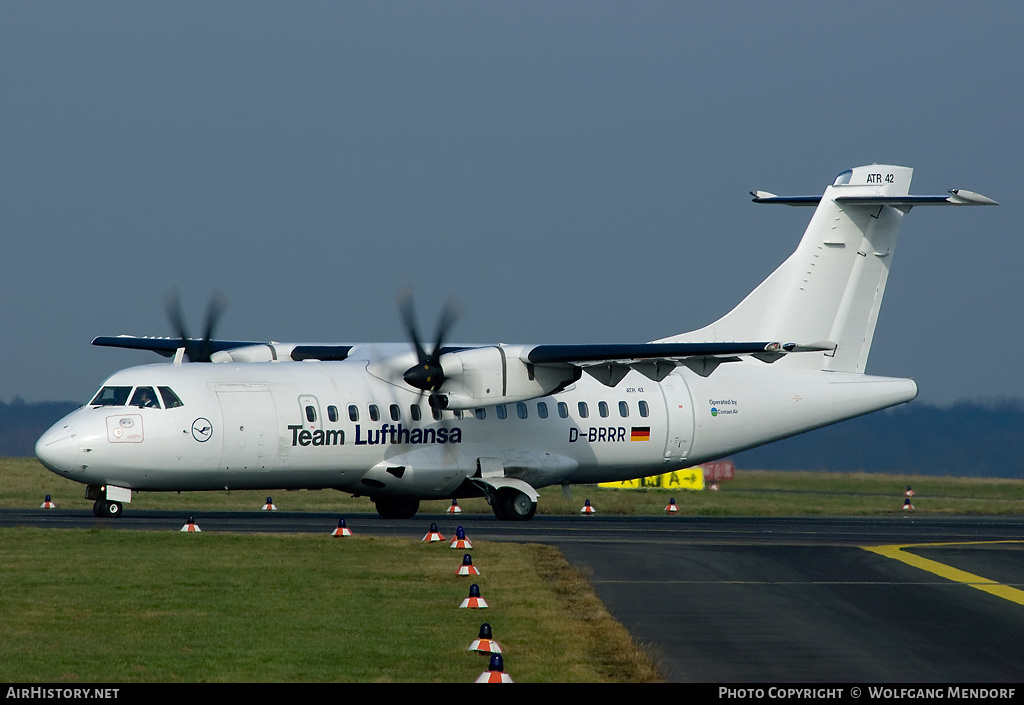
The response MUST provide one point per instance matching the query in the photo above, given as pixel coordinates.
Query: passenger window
(310, 414)
(623, 409)
(145, 398)
(644, 411)
(353, 412)
(584, 411)
(111, 396)
(501, 411)
(602, 408)
(332, 413)
(563, 410)
(414, 412)
(542, 409)
(396, 413)
(374, 413)
(480, 413)
(521, 410)
(435, 413)
(171, 400)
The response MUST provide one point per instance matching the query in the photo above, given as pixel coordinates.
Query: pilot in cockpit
(145, 398)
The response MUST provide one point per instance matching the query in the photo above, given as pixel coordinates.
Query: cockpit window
(111, 396)
(171, 400)
(145, 398)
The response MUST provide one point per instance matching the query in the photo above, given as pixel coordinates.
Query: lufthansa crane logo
(202, 430)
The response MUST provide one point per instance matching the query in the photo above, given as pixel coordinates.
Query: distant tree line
(967, 439)
(21, 424)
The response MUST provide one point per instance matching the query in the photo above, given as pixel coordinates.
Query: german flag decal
(640, 433)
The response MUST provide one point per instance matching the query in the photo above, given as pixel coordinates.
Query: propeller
(427, 374)
(196, 350)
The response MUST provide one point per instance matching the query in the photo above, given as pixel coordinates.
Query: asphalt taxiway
(901, 599)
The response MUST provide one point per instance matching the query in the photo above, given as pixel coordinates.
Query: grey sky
(568, 171)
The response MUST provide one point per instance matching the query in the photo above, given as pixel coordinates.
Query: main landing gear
(510, 504)
(400, 508)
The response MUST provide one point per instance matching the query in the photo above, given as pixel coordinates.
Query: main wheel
(514, 505)
(397, 508)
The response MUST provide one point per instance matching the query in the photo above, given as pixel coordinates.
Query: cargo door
(249, 421)
(679, 417)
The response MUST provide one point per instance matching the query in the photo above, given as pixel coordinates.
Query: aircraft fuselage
(332, 425)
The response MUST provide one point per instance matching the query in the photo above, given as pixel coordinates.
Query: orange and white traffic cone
(485, 643)
(672, 508)
(495, 672)
(907, 504)
(587, 509)
(460, 540)
(909, 492)
(342, 530)
(467, 567)
(455, 508)
(191, 527)
(47, 503)
(269, 506)
(433, 535)
(474, 601)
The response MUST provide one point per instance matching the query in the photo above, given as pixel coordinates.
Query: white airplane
(400, 424)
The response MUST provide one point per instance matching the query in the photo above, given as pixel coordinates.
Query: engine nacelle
(498, 375)
(276, 352)
(250, 353)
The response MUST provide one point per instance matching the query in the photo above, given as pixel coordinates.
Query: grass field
(123, 606)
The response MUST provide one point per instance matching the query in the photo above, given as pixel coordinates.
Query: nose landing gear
(109, 500)
(106, 509)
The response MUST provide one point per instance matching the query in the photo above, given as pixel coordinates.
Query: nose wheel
(106, 509)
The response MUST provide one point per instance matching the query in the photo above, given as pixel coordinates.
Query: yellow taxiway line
(992, 587)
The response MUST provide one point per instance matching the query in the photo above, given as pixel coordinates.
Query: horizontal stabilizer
(956, 197)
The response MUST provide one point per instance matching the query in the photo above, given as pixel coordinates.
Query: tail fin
(830, 289)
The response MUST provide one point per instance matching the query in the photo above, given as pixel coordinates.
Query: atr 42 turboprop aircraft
(399, 424)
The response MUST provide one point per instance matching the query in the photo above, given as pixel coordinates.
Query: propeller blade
(405, 307)
(172, 305)
(427, 374)
(214, 310)
(449, 316)
(195, 351)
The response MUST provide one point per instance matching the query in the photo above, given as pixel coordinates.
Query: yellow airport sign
(688, 479)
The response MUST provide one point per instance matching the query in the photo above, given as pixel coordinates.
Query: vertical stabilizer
(830, 289)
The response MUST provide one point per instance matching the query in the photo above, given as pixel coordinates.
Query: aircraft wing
(163, 346)
(256, 350)
(584, 354)
(610, 363)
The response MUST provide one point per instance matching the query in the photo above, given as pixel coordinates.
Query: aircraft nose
(58, 449)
